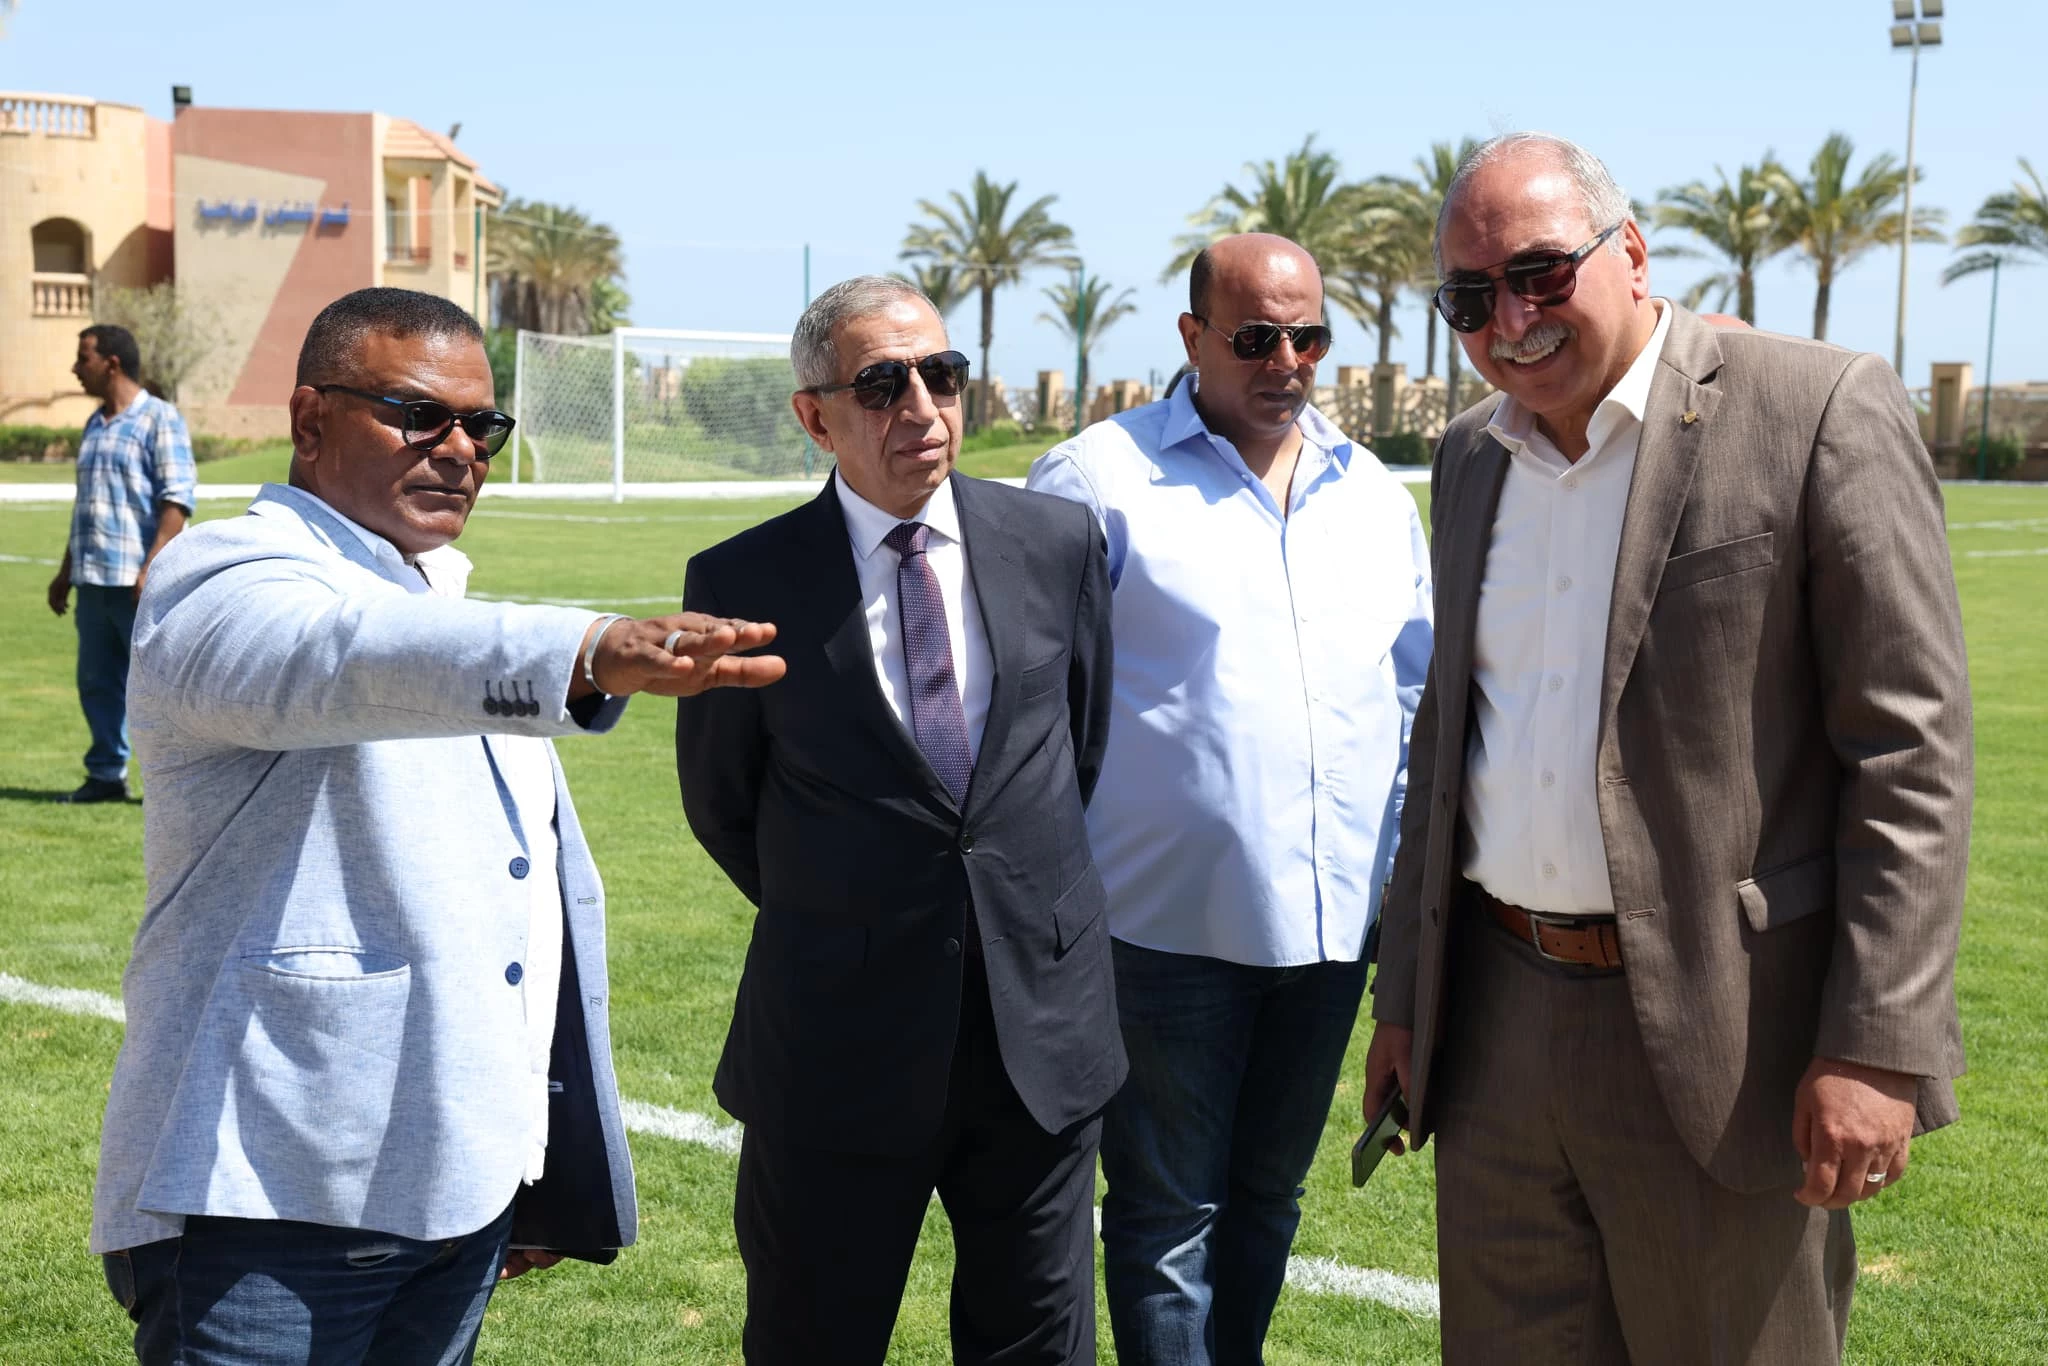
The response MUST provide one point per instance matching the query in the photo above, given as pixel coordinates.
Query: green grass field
(1955, 1259)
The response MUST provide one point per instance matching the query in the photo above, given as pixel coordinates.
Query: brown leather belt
(1587, 941)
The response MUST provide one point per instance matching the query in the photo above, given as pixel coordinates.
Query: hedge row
(61, 443)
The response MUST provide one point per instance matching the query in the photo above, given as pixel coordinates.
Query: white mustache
(1535, 341)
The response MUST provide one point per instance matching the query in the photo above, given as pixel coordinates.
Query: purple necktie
(936, 717)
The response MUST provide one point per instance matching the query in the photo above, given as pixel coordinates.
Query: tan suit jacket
(1784, 757)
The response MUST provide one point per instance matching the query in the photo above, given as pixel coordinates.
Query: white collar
(1627, 401)
(867, 525)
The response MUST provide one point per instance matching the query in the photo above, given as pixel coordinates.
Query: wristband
(590, 651)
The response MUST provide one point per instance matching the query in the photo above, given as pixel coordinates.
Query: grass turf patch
(1955, 1259)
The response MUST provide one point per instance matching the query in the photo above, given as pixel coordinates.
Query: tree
(1433, 182)
(1733, 221)
(946, 287)
(1083, 310)
(2010, 226)
(174, 334)
(1382, 252)
(1297, 198)
(1834, 220)
(549, 266)
(976, 235)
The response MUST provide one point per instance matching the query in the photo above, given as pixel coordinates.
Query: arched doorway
(63, 268)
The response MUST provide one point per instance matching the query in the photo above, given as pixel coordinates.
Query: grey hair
(1606, 202)
(812, 353)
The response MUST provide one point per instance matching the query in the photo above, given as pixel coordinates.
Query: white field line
(1310, 1275)
(26, 559)
(2017, 524)
(2002, 554)
(674, 601)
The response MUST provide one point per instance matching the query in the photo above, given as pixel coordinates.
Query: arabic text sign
(289, 213)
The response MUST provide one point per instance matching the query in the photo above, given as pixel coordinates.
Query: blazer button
(952, 948)
(518, 867)
(967, 844)
(513, 973)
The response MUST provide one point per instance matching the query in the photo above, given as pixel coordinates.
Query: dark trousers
(828, 1237)
(1573, 1226)
(1206, 1147)
(270, 1292)
(105, 618)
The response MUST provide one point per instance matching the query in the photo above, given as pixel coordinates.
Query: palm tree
(1381, 254)
(2013, 225)
(1083, 311)
(944, 286)
(1296, 198)
(1434, 173)
(546, 262)
(976, 236)
(1834, 221)
(1735, 221)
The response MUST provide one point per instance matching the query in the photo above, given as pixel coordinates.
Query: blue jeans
(270, 1292)
(1206, 1146)
(106, 621)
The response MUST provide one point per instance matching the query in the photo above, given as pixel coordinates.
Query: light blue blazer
(324, 1017)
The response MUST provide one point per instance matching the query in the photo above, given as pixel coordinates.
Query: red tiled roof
(405, 138)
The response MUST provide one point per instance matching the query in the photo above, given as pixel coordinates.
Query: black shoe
(99, 790)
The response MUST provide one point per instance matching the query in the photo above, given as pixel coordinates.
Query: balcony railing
(61, 295)
(55, 116)
(398, 253)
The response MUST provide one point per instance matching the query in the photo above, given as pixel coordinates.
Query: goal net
(651, 406)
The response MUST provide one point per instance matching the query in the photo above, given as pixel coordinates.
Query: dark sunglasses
(428, 422)
(1543, 278)
(1256, 341)
(878, 386)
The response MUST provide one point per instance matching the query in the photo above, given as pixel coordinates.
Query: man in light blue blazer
(368, 1067)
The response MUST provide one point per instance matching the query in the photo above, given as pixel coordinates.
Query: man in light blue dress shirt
(1272, 622)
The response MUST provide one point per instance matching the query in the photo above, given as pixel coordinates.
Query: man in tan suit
(1668, 964)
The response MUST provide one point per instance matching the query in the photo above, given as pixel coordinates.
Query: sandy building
(261, 217)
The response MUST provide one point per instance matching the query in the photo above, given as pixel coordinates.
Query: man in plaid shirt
(135, 487)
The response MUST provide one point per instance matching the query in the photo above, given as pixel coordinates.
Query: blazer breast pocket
(1042, 678)
(1717, 561)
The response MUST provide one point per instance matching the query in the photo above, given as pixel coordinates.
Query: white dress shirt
(1268, 664)
(946, 552)
(1531, 801)
(527, 764)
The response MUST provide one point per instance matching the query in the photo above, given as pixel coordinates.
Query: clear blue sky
(719, 138)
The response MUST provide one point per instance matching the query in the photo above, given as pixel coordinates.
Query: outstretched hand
(679, 655)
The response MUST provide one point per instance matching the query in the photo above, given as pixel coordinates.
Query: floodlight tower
(1915, 26)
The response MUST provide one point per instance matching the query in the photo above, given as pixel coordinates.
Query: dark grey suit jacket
(818, 804)
(1784, 760)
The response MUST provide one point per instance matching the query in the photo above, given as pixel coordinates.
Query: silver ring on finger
(1874, 1178)
(669, 645)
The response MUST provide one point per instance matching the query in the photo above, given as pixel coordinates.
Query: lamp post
(1910, 31)
(1990, 340)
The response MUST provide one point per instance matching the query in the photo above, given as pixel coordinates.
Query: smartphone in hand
(1372, 1144)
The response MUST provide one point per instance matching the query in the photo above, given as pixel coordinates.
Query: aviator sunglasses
(428, 422)
(1543, 278)
(877, 387)
(1256, 341)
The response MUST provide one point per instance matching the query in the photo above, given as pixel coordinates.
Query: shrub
(1402, 448)
(2002, 455)
(34, 443)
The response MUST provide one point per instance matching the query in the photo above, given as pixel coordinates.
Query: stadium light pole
(1910, 32)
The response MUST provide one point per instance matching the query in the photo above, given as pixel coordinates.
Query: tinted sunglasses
(428, 422)
(1543, 278)
(1256, 341)
(879, 386)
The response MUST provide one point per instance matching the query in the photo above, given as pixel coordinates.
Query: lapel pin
(1688, 417)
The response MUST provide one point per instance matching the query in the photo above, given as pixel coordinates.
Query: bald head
(1249, 260)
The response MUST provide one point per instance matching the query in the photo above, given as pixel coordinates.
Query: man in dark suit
(927, 1001)
(1668, 962)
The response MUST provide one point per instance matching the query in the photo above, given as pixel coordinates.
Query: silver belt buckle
(1537, 920)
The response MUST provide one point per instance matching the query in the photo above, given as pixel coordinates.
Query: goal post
(645, 405)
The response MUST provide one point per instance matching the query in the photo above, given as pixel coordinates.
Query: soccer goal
(647, 405)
